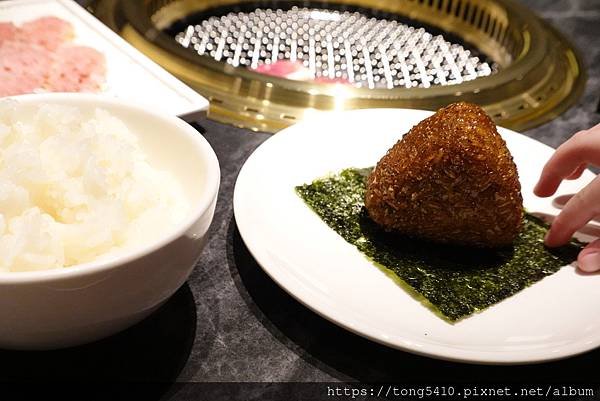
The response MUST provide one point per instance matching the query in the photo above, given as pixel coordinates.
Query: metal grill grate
(367, 52)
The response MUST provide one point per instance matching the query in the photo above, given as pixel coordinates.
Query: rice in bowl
(76, 187)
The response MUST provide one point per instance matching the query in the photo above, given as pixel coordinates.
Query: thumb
(589, 258)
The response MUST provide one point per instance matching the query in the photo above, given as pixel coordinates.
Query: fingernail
(590, 262)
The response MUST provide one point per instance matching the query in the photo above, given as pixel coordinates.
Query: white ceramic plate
(130, 75)
(555, 318)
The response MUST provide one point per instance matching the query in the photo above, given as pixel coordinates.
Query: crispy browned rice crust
(450, 179)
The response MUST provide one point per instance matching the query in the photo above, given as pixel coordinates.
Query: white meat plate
(130, 75)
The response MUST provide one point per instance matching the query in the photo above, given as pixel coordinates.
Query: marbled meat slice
(37, 56)
(23, 68)
(48, 32)
(8, 31)
(12, 85)
(76, 69)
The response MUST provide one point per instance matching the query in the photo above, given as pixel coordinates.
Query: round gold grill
(399, 53)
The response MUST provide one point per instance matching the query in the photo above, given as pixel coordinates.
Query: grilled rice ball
(450, 179)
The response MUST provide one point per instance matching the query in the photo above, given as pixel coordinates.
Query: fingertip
(549, 240)
(539, 193)
(589, 258)
(555, 237)
(543, 193)
(538, 190)
(555, 242)
(545, 188)
(589, 261)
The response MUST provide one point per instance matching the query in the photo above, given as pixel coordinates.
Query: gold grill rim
(243, 97)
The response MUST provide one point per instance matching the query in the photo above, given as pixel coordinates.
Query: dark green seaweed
(456, 281)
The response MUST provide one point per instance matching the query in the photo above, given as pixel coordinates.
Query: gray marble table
(231, 323)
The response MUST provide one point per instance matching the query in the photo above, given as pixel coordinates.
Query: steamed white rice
(75, 188)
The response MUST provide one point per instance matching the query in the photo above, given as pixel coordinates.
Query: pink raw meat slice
(295, 70)
(48, 32)
(12, 84)
(327, 80)
(23, 67)
(286, 69)
(7, 31)
(76, 69)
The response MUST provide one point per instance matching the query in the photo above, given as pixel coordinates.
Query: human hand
(569, 161)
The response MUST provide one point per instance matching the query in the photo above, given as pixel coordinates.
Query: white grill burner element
(368, 52)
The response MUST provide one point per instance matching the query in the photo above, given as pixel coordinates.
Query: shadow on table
(153, 351)
(350, 357)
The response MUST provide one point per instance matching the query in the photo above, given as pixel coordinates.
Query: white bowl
(79, 304)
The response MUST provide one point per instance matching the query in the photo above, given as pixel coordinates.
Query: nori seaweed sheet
(455, 281)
